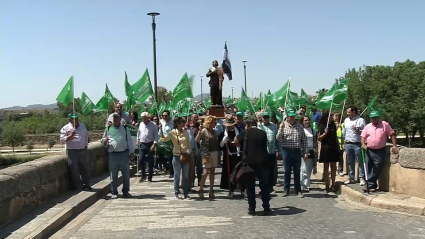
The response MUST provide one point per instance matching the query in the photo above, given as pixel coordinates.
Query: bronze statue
(215, 74)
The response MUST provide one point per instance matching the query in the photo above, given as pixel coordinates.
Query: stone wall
(27, 185)
(43, 139)
(406, 173)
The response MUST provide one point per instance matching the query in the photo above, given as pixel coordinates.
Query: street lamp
(232, 95)
(202, 94)
(244, 71)
(154, 14)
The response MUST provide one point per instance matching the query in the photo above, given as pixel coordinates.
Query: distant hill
(32, 107)
(199, 97)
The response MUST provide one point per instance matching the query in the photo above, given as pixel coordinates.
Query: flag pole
(73, 100)
(330, 111)
(342, 112)
(287, 92)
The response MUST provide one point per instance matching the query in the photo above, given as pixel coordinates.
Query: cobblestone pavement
(155, 213)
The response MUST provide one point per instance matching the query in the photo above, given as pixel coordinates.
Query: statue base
(217, 111)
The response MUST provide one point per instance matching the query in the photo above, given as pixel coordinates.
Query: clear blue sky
(44, 42)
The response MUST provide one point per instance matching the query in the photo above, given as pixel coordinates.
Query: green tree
(30, 146)
(13, 135)
(163, 95)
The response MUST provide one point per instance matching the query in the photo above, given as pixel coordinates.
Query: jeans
(341, 162)
(199, 167)
(170, 164)
(292, 162)
(354, 151)
(184, 168)
(119, 162)
(146, 155)
(263, 178)
(306, 168)
(272, 164)
(79, 165)
(375, 158)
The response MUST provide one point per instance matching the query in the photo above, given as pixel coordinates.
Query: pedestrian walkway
(153, 212)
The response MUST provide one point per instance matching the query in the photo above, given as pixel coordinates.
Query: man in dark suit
(257, 158)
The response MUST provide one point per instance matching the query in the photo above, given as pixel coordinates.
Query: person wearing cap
(75, 136)
(118, 110)
(240, 124)
(273, 147)
(374, 141)
(294, 144)
(147, 139)
(121, 148)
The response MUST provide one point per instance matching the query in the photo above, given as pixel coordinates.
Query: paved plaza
(153, 212)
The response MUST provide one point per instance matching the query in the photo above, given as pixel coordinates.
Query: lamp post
(202, 94)
(153, 15)
(232, 95)
(244, 71)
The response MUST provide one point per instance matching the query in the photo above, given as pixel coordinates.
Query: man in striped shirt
(293, 142)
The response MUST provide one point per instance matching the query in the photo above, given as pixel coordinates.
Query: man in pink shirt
(374, 141)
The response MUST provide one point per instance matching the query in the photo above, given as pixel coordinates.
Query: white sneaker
(341, 174)
(362, 182)
(244, 194)
(230, 195)
(349, 182)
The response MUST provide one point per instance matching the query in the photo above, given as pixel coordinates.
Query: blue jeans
(119, 162)
(292, 162)
(272, 164)
(354, 151)
(180, 167)
(263, 178)
(375, 158)
(306, 168)
(341, 162)
(145, 150)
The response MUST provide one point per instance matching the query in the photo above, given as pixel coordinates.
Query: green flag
(279, 97)
(102, 104)
(372, 105)
(66, 95)
(304, 99)
(108, 95)
(229, 101)
(325, 102)
(245, 103)
(183, 89)
(87, 105)
(129, 103)
(292, 101)
(142, 89)
(127, 87)
(341, 90)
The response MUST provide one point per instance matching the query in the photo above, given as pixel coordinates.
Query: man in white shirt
(121, 149)
(147, 138)
(75, 136)
(167, 125)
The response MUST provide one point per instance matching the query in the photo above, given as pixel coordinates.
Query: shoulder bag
(243, 173)
(184, 157)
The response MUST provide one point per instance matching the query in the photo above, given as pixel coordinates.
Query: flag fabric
(183, 89)
(279, 97)
(292, 101)
(245, 103)
(127, 87)
(326, 101)
(87, 105)
(372, 105)
(129, 103)
(102, 104)
(227, 66)
(304, 99)
(66, 95)
(142, 89)
(229, 101)
(108, 95)
(341, 90)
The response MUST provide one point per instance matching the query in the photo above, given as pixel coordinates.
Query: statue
(215, 74)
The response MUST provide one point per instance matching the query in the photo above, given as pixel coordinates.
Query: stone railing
(405, 172)
(27, 185)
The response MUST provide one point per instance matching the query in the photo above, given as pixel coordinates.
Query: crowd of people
(199, 144)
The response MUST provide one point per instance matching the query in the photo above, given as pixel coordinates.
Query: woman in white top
(307, 164)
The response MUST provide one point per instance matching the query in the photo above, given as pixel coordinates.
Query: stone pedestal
(217, 111)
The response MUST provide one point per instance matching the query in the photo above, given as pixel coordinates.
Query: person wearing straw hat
(75, 136)
(374, 141)
(232, 155)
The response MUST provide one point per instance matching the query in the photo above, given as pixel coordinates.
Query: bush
(51, 143)
(30, 146)
(13, 135)
(9, 160)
